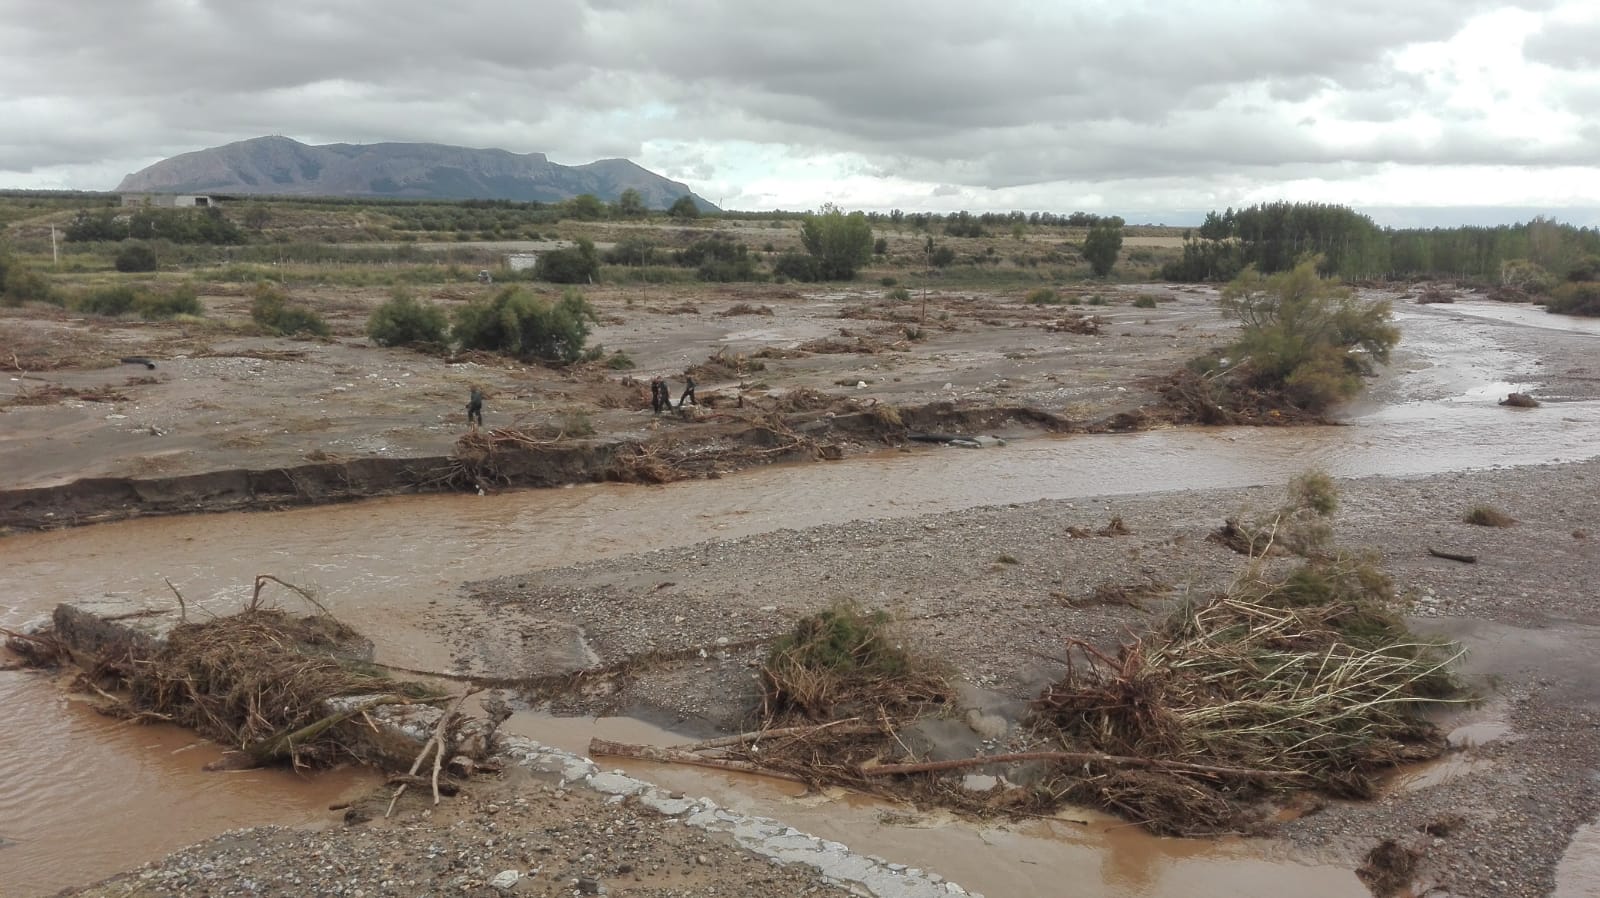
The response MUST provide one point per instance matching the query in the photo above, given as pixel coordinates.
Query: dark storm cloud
(941, 91)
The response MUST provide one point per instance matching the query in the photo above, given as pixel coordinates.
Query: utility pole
(927, 254)
(55, 255)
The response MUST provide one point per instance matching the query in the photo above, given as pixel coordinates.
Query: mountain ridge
(283, 166)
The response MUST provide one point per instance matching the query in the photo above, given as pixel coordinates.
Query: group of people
(661, 394)
(660, 398)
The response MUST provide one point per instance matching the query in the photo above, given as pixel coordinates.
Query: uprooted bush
(844, 662)
(1308, 680)
(1299, 526)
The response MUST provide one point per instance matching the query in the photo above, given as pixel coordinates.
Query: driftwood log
(1453, 556)
(1072, 757)
(602, 748)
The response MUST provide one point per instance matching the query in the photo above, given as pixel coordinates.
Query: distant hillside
(281, 166)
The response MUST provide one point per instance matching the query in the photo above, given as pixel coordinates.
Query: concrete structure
(169, 200)
(522, 261)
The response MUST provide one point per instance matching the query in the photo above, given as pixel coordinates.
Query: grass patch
(1144, 302)
(1044, 296)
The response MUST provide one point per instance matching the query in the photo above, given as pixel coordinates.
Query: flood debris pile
(834, 691)
(261, 682)
(845, 662)
(1298, 526)
(1298, 678)
(1307, 681)
(41, 650)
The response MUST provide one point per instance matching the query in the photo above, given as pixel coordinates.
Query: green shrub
(888, 280)
(180, 300)
(839, 243)
(1525, 275)
(404, 321)
(1097, 300)
(1044, 296)
(136, 257)
(272, 309)
(519, 323)
(1305, 337)
(1585, 269)
(1144, 302)
(20, 284)
(797, 267)
(633, 251)
(1102, 245)
(108, 301)
(620, 361)
(1575, 298)
(899, 294)
(578, 265)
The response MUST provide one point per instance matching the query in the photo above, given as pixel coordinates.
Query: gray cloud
(1566, 45)
(937, 92)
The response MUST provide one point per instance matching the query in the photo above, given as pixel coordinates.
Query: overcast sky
(1143, 108)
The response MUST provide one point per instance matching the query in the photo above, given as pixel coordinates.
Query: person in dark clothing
(688, 392)
(475, 407)
(660, 395)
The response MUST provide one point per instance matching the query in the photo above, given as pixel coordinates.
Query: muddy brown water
(1102, 857)
(380, 563)
(83, 796)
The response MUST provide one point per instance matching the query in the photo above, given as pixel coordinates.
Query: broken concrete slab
(97, 628)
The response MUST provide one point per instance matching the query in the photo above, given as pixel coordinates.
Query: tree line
(1273, 237)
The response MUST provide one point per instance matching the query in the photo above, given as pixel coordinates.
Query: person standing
(688, 392)
(475, 407)
(660, 395)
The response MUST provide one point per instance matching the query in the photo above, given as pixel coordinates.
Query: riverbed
(388, 565)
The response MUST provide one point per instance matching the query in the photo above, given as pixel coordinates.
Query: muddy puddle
(1578, 875)
(83, 796)
(383, 564)
(1522, 315)
(1100, 856)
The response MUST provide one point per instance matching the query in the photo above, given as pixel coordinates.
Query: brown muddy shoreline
(92, 500)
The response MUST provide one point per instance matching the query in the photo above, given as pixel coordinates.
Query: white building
(173, 200)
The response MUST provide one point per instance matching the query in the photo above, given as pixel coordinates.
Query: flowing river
(82, 797)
